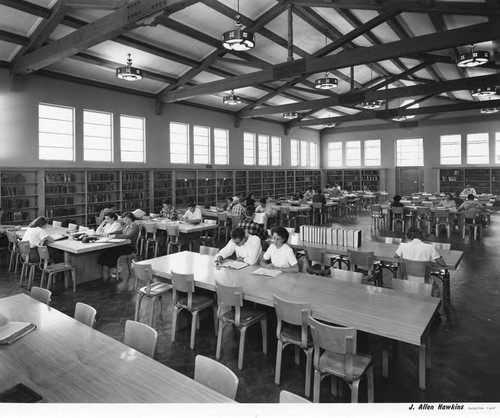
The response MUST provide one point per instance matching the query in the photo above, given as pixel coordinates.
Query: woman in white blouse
(110, 224)
(279, 255)
(447, 202)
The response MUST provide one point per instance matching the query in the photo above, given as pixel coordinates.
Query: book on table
(58, 237)
(234, 264)
(11, 331)
(267, 272)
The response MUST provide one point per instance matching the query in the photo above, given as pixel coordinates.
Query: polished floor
(465, 341)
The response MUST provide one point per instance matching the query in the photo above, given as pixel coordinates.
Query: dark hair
(327, 186)
(129, 215)
(319, 191)
(448, 194)
(470, 197)
(250, 210)
(38, 222)
(167, 201)
(263, 201)
(238, 233)
(415, 233)
(191, 204)
(229, 198)
(112, 215)
(397, 198)
(282, 232)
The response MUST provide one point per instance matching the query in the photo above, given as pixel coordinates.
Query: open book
(12, 331)
(234, 264)
(267, 272)
(58, 237)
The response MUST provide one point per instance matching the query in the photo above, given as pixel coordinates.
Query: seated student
(470, 203)
(319, 197)
(468, 190)
(238, 209)
(229, 203)
(108, 208)
(36, 235)
(109, 258)
(396, 202)
(251, 227)
(168, 210)
(246, 246)
(279, 255)
(250, 199)
(109, 225)
(447, 202)
(298, 195)
(418, 250)
(193, 214)
(309, 193)
(327, 189)
(335, 191)
(456, 198)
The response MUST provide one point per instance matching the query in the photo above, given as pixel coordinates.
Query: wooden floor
(465, 342)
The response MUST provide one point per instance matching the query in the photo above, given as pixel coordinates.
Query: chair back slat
(390, 240)
(24, 249)
(333, 338)
(362, 259)
(182, 282)
(205, 250)
(85, 314)
(291, 312)
(216, 376)
(143, 276)
(414, 270)
(408, 286)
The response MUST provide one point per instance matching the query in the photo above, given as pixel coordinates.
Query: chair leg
(152, 311)
(194, 321)
(317, 386)
(354, 391)
(31, 277)
(73, 277)
(242, 347)
(138, 301)
(309, 358)
(297, 355)
(219, 340)
(174, 323)
(277, 373)
(369, 379)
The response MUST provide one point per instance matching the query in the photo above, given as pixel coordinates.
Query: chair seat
(155, 289)
(199, 302)
(55, 268)
(334, 363)
(293, 334)
(247, 316)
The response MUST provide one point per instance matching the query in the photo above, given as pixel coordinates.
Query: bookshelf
(355, 180)
(103, 189)
(255, 182)
(267, 184)
(185, 187)
(312, 178)
(65, 196)
(162, 186)
(206, 190)
(335, 177)
(19, 196)
(290, 183)
(224, 186)
(135, 190)
(495, 181)
(479, 178)
(279, 183)
(240, 183)
(370, 180)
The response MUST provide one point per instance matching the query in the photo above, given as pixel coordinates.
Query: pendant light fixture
(484, 91)
(326, 83)
(473, 58)
(329, 125)
(489, 110)
(290, 115)
(238, 39)
(231, 99)
(371, 104)
(399, 118)
(129, 73)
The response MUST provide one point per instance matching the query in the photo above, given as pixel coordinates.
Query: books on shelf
(331, 236)
(234, 264)
(11, 331)
(267, 272)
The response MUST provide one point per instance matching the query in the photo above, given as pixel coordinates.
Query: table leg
(446, 289)
(422, 366)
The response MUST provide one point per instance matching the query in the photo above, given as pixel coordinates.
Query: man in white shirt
(247, 247)
(469, 190)
(417, 250)
(193, 214)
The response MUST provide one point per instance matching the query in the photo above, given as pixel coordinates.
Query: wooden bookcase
(290, 183)
(185, 187)
(162, 188)
(65, 196)
(135, 190)
(206, 188)
(356, 180)
(482, 179)
(224, 186)
(255, 182)
(268, 185)
(103, 189)
(19, 196)
(280, 183)
(240, 183)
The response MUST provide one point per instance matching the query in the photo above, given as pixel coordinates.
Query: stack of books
(330, 236)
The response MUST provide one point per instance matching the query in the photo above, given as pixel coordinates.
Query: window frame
(109, 138)
(204, 157)
(414, 163)
(184, 142)
(48, 135)
(142, 141)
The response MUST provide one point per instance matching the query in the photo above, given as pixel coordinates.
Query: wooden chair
(85, 314)
(146, 287)
(173, 239)
(207, 237)
(442, 274)
(316, 261)
(398, 216)
(392, 266)
(285, 216)
(417, 271)
(293, 328)
(140, 337)
(377, 216)
(289, 397)
(442, 218)
(339, 359)
(364, 261)
(471, 223)
(216, 376)
(230, 311)
(72, 227)
(204, 250)
(223, 225)
(317, 212)
(58, 224)
(184, 297)
(28, 267)
(41, 295)
(13, 249)
(424, 217)
(346, 276)
(50, 269)
(150, 239)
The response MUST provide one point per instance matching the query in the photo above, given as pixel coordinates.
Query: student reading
(279, 255)
(247, 247)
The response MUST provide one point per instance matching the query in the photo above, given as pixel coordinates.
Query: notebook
(234, 264)
(58, 237)
(12, 331)
(267, 272)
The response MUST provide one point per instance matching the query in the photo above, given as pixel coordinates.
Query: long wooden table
(66, 361)
(384, 312)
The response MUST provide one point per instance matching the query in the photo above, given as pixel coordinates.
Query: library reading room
(250, 202)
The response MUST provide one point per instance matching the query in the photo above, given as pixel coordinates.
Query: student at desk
(319, 197)
(251, 227)
(247, 247)
(418, 250)
(468, 190)
(109, 225)
(168, 210)
(36, 235)
(280, 255)
(447, 202)
(193, 214)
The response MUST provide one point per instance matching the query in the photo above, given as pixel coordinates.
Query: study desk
(82, 256)
(184, 227)
(400, 316)
(66, 361)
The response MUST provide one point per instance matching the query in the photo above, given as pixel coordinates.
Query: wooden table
(82, 256)
(184, 227)
(66, 361)
(400, 316)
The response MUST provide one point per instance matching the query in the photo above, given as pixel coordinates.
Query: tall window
(372, 152)
(275, 150)
(201, 145)
(263, 142)
(304, 153)
(56, 132)
(179, 143)
(313, 154)
(478, 150)
(221, 146)
(353, 153)
(451, 149)
(249, 149)
(97, 136)
(497, 147)
(132, 139)
(294, 152)
(335, 154)
(409, 152)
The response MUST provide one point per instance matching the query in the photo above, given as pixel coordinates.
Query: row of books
(13, 178)
(58, 201)
(134, 176)
(51, 213)
(16, 203)
(68, 188)
(16, 216)
(102, 177)
(13, 190)
(135, 185)
(102, 187)
(100, 197)
(60, 178)
(330, 236)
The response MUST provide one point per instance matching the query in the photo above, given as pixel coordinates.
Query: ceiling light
(238, 39)
(484, 91)
(290, 115)
(399, 118)
(473, 58)
(129, 73)
(232, 99)
(371, 104)
(326, 83)
(489, 110)
(329, 125)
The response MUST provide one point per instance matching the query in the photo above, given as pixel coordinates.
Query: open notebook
(58, 237)
(234, 264)
(267, 272)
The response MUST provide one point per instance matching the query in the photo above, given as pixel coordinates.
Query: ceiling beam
(411, 6)
(470, 34)
(13, 38)
(95, 4)
(30, 8)
(113, 24)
